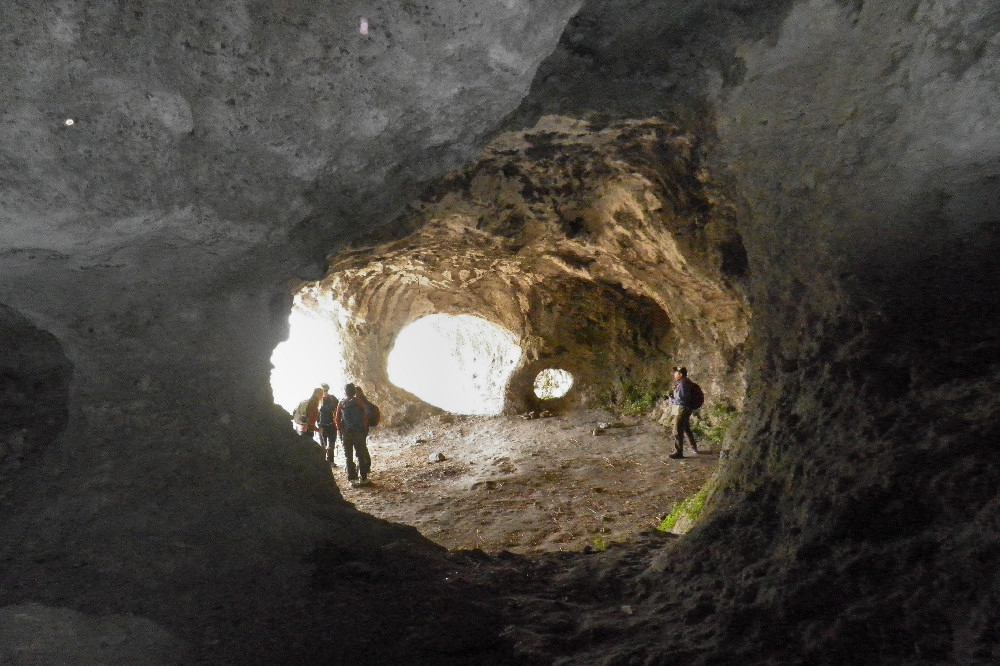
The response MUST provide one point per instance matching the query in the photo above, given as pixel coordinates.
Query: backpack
(374, 413)
(299, 415)
(327, 408)
(352, 415)
(697, 395)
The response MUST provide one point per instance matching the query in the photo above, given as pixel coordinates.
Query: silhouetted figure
(327, 425)
(305, 418)
(352, 421)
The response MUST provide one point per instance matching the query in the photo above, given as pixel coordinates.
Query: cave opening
(312, 355)
(459, 363)
(552, 383)
(523, 368)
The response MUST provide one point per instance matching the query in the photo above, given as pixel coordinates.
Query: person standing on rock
(328, 429)
(686, 399)
(352, 421)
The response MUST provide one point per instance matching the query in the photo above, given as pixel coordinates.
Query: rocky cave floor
(527, 486)
(538, 523)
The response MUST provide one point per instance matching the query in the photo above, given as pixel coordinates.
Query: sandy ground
(527, 485)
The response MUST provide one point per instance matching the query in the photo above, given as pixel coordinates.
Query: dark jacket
(347, 403)
(327, 409)
(682, 393)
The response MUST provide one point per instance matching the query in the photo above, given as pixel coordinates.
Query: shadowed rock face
(34, 394)
(847, 152)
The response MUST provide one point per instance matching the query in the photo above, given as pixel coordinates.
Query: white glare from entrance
(553, 383)
(312, 355)
(459, 363)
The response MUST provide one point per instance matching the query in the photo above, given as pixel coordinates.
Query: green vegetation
(637, 400)
(631, 399)
(690, 508)
(601, 544)
(712, 423)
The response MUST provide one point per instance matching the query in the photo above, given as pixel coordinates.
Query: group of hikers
(321, 416)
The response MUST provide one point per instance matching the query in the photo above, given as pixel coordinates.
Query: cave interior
(795, 199)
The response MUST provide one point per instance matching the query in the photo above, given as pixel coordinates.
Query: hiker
(686, 399)
(305, 419)
(327, 427)
(353, 422)
(374, 414)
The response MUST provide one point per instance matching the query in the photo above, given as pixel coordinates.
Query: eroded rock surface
(605, 250)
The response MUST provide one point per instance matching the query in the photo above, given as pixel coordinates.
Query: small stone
(436, 457)
(598, 431)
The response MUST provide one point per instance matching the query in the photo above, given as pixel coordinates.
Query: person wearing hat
(683, 400)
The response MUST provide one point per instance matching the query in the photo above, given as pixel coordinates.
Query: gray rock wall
(854, 515)
(217, 153)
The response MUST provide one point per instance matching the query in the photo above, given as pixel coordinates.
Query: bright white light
(459, 363)
(69, 122)
(312, 355)
(553, 383)
(363, 28)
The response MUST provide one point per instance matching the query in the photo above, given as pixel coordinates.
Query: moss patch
(686, 512)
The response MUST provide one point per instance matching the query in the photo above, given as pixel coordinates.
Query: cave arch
(553, 383)
(460, 363)
(599, 248)
(313, 354)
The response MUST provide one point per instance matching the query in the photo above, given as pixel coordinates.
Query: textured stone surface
(34, 391)
(36, 634)
(219, 152)
(605, 251)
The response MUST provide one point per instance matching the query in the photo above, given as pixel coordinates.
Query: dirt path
(527, 486)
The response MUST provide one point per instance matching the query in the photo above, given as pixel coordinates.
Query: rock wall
(857, 511)
(605, 250)
(34, 393)
(217, 153)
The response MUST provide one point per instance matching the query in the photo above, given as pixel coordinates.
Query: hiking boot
(364, 482)
(675, 456)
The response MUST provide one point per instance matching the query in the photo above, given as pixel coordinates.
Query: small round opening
(459, 363)
(553, 383)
